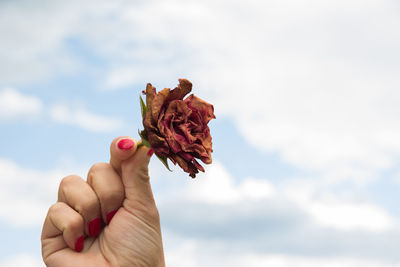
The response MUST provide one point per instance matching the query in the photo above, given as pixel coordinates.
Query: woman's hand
(116, 195)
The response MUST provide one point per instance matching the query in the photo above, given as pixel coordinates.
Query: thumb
(135, 176)
(131, 163)
(121, 148)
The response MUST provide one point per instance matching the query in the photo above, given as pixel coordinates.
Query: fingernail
(110, 215)
(150, 153)
(125, 144)
(79, 244)
(95, 227)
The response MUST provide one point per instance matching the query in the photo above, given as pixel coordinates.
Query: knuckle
(111, 195)
(96, 168)
(141, 172)
(68, 180)
(100, 166)
(144, 176)
(74, 223)
(87, 206)
(56, 208)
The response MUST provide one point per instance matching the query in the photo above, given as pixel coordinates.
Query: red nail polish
(150, 153)
(79, 244)
(110, 215)
(125, 144)
(95, 227)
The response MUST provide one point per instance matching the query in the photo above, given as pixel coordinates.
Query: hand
(116, 194)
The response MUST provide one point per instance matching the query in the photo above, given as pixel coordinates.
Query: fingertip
(79, 243)
(110, 215)
(125, 144)
(121, 149)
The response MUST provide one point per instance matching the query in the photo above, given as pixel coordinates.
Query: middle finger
(75, 192)
(108, 187)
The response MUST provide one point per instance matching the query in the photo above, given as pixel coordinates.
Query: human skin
(132, 237)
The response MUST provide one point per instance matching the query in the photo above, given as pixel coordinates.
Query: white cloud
(325, 206)
(27, 52)
(26, 260)
(334, 210)
(320, 93)
(183, 255)
(305, 88)
(350, 216)
(26, 194)
(316, 198)
(255, 260)
(217, 186)
(196, 253)
(14, 104)
(237, 219)
(85, 119)
(309, 93)
(121, 77)
(314, 81)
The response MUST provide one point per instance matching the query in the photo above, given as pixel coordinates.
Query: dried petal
(177, 128)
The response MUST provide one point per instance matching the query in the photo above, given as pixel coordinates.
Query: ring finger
(75, 192)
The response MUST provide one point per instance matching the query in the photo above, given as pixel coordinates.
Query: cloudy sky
(306, 141)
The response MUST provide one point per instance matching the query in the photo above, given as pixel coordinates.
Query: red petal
(198, 166)
(179, 92)
(205, 109)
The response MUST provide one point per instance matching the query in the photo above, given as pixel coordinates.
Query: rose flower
(177, 128)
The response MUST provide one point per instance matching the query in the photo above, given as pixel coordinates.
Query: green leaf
(145, 142)
(143, 136)
(164, 161)
(143, 108)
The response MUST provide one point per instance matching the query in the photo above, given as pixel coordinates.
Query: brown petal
(158, 103)
(148, 125)
(205, 109)
(186, 166)
(207, 140)
(185, 128)
(165, 125)
(182, 108)
(156, 141)
(179, 92)
(162, 123)
(196, 149)
(173, 141)
(207, 143)
(197, 165)
(150, 94)
(196, 121)
(206, 160)
(162, 151)
(186, 156)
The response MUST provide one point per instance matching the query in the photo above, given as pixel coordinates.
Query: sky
(306, 142)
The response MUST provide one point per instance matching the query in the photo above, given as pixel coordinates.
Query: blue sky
(306, 147)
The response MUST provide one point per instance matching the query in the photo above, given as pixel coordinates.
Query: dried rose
(177, 128)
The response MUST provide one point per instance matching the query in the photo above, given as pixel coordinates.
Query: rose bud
(177, 128)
